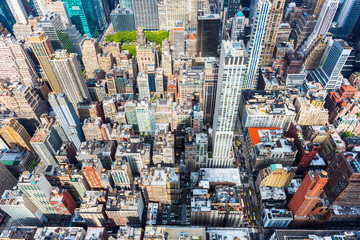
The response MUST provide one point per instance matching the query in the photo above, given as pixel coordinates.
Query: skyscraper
(323, 22)
(343, 187)
(171, 11)
(54, 28)
(18, 11)
(275, 17)
(146, 14)
(47, 141)
(7, 180)
(14, 134)
(21, 209)
(6, 17)
(307, 195)
(122, 19)
(66, 115)
(68, 72)
(83, 16)
(256, 44)
(231, 76)
(233, 7)
(238, 25)
(15, 63)
(348, 16)
(38, 189)
(43, 50)
(90, 50)
(208, 35)
(329, 73)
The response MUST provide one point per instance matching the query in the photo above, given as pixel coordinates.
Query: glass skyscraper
(256, 44)
(84, 16)
(146, 14)
(6, 17)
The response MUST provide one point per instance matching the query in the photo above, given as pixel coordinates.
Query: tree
(347, 134)
(131, 48)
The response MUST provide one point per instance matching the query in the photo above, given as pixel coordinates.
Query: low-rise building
(122, 175)
(92, 209)
(269, 146)
(277, 218)
(136, 153)
(275, 176)
(60, 232)
(125, 208)
(17, 161)
(104, 151)
(218, 208)
(160, 184)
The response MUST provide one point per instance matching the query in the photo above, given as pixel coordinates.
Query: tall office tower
(314, 7)
(256, 44)
(90, 50)
(343, 186)
(208, 35)
(329, 73)
(238, 25)
(123, 19)
(304, 27)
(145, 56)
(231, 76)
(143, 86)
(83, 16)
(211, 69)
(99, 11)
(18, 11)
(275, 17)
(126, 4)
(24, 101)
(145, 118)
(38, 189)
(323, 23)
(233, 8)
(171, 11)
(7, 19)
(7, 180)
(40, 7)
(197, 7)
(76, 39)
(177, 38)
(68, 72)
(307, 195)
(15, 63)
(53, 27)
(43, 50)
(47, 141)
(140, 36)
(166, 58)
(14, 134)
(66, 115)
(21, 209)
(348, 16)
(146, 14)
(58, 7)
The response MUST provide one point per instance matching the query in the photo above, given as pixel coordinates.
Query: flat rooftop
(220, 175)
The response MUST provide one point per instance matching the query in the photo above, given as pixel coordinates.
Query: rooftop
(228, 233)
(220, 175)
(278, 214)
(64, 233)
(272, 193)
